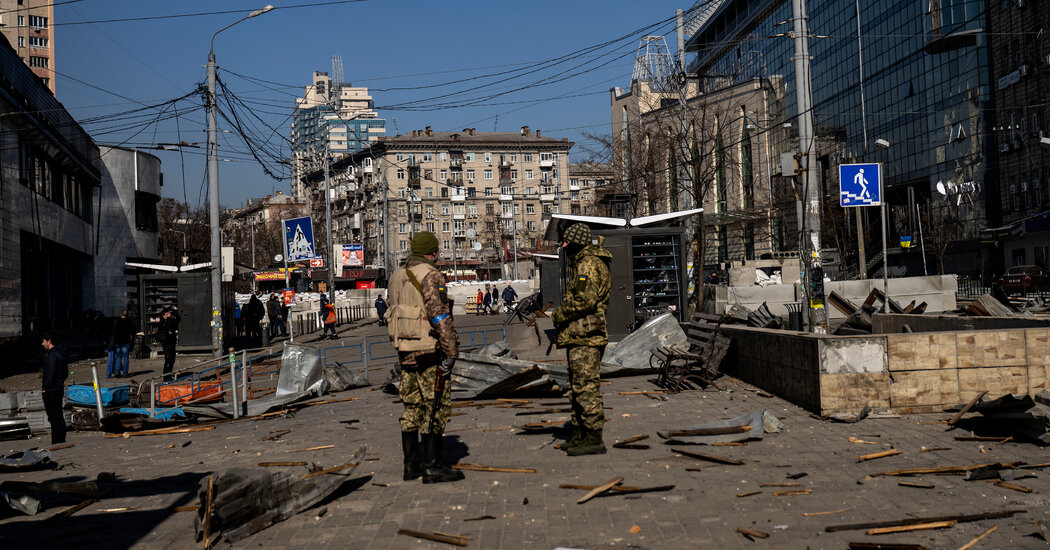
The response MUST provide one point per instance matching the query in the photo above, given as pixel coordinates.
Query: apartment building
(332, 117)
(486, 195)
(26, 24)
(588, 181)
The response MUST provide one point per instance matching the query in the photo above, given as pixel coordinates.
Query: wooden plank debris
(720, 430)
(189, 508)
(62, 446)
(629, 442)
(785, 484)
(967, 408)
(162, 431)
(914, 527)
(751, 533)
(792, 493)
(454, 540)
(947, 469)
(710, 457)
(544, 411)
(828, 513)
(978, 538)
(880, 454)
(209, 498)
(620, 489)
(480, 468)
(962, 518)
(317, 448)
(264, 464)
(885, 546)
(72, 510)
(748, 494)
(932, 449)
(997, 439)
(916, 485)
(1012, 486)
(329, 470)
(600, 489)
(480, 518)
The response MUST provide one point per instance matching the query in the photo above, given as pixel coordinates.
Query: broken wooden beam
(162, 431)
(62, 446)
(619, 489)
(480, 468)
(880, 454)
(966, 408)
(785, 484)
(317, 448)
(792, 493)
(329, 470)
(1012, 486)
(978, 538)
(751, 533)
(209, 496)
(297, 463)
(72, 509)
(544, 411)
(997, 439)
(454, 540)
(600, 489)
(627, 443)
(885, 546)
(963, 518)
(720, 430)
(842, 304)
(748, 494)
(914, 527)
(710, 457)
(828, 513)
(947, 469)
(916, 485)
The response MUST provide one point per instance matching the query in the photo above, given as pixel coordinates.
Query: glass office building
(916, 78)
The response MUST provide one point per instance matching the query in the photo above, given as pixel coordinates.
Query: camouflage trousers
(417, 395)
(585, 391)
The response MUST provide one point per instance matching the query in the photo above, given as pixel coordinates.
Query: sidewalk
(705, 508)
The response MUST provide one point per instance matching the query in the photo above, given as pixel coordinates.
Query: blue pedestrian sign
(860, 184)
(299, 239)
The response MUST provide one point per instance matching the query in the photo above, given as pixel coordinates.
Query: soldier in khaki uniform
(580, 321)
(419, 322)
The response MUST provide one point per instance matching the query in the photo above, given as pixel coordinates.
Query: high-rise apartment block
(331, 117)
(26, 24)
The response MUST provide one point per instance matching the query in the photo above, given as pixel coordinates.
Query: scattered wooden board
(907, 528)
(721, 430)
(600, 489)
(978, 538)
(317, 448)
(880, 454)
(751, 533)
(454, 540)
(710, 457)
(480, 468)
(792, 493)
(828, 513)
(266, 464)
(963, 518)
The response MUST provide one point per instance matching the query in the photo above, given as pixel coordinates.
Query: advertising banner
(353, 255)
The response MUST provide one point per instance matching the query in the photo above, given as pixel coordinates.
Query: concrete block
(851, 392)
(853, 355)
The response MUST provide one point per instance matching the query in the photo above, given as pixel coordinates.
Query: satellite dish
(940, 188)
(278, 258)
(477, 246)
(471, 233)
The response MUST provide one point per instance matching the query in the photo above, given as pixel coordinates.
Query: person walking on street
(120, 344)
(328, 317)
(381, 310)
(509, 296)
(275, 310)
(53, 386)
(253, 314)
(480, 303)
(488, 301)
(427, 347)
(169, 336)
(581, 329)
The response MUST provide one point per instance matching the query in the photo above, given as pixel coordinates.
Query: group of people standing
(428, 346)
(252, 313)
(488, 302)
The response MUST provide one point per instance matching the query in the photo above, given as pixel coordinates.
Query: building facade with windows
(913, 75)
(331, 117)
(486, 195)
(26, 24)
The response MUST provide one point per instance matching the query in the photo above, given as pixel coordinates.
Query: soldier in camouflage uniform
(425, 354)
(580, 321)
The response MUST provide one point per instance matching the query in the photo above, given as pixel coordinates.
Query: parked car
(1025, 279)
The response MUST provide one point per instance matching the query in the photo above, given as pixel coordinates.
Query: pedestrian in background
(275, 310)
(488, 300)
(509, 296)
(169, 337)
(120, 338)
(580, 322)
(480, 304)
(328, 317)
(253, 314)
(381, 310)
(427, 350)
(53, 386)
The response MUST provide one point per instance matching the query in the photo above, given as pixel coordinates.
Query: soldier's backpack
(407, 322)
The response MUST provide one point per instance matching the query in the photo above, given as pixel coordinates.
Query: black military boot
(435, 471)
(591, 444)
(413, 456)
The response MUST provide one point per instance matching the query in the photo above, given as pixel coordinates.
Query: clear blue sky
(123, 66)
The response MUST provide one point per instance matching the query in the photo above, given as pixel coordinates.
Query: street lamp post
(213, 193)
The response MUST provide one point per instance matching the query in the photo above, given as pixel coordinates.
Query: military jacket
(438, 312)
(580, 319)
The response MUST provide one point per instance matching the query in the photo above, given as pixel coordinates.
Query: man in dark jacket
(120, 340)
(253, 314)
(169, 336)
(381, 309)
(275, 310)
(509, 296)
(53, 384)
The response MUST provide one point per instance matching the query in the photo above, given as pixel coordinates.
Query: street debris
(906, 528)
(436, 536)
(884, 546)
(618, 489)
(748, 494)
(243, 501)
(916, 485)
(600, 489)
(947, 469)
(988, 306)
(880, 454)
(342, 378)
(480, 518)
(71, 510)
(1022, 416)
(828, 513)
(23, 461)
(629, 443)
(745, 427)
(317, 448)
(792, 493)
(480, 468)
(710, 457)
(751, 534)
(849, 418)
(978, 538)
(24, 504)
(301, 370)
(962, 518)
(967, 408)
(15, 427)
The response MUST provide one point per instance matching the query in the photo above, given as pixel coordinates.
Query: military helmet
(578, 233)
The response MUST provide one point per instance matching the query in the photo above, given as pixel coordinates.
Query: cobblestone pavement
(705, 507)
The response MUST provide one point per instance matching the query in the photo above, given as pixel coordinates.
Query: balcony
(574, 187)
(547, 197)
(367, 169)
(506, 197)
(457, 198)
(507, 215)
(415, 179)
(459, 216)
(546, 164)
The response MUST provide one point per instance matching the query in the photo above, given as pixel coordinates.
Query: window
(444, 228)
(445, 243)
(21, 20)
(514, 157)
(472, 210)
(488, 191)
(574, 181)
(546, 156)
(400, 174)
(513, 174)
(37, 21)
(468, 157)
(444, 191)
(428, 157)
(528, 174)
(21, 41)
(530, 191)
(400, 157)
(401, 194)
(532, 226)
(444, 156)
(458, 209)
(402, 228)
(506, 190)
(430, 192)
(527, 157)
(444, 175)
(444, 209)
(470, 174)
(403, 245)
(472, 192)
(530, 208)
(574, 195)
(490, 208)
(488, 174)
(430, 211)
(146, 211)
(488, 157)
(39, 62)
(506, 208)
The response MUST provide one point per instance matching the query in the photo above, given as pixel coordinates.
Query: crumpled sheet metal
(761, 422)
(1017, 415)
(477, 375)
(20, 503)
(301, 370)
(248, 500)
(255, 407)
(32, 459)
(342, 378)
(631, 355)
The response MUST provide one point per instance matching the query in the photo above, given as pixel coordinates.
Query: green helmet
(578, 233)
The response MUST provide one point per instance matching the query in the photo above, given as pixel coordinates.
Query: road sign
(299, 239)
(860, 184)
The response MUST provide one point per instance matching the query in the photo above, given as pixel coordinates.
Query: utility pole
(253, 252)
(384, 226)
(814, 288)
(683, 197)
(862, 257)
(328, 225)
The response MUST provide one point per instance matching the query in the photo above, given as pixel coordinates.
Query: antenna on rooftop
(654, 64)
